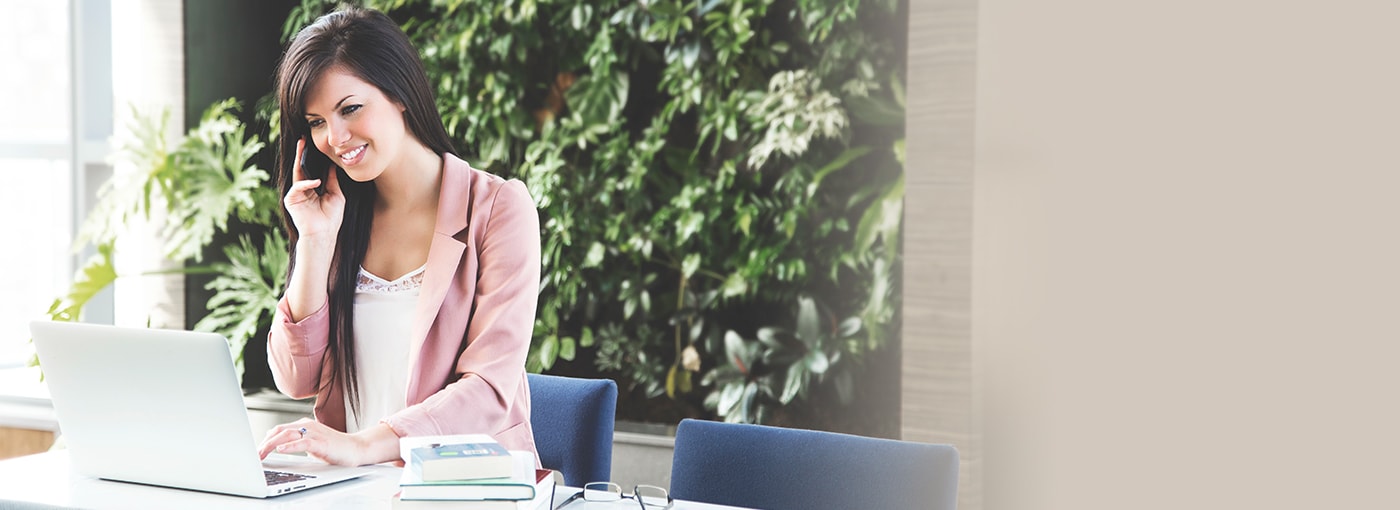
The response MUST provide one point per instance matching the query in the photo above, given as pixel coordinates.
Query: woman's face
(355, 125)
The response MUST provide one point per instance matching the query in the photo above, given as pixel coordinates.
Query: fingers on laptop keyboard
(281, 437)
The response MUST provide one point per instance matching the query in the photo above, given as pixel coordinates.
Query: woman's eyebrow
(336, 107)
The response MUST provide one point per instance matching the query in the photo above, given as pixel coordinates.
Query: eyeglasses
(650, 497)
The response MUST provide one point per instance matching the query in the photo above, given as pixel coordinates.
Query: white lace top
(383, 321)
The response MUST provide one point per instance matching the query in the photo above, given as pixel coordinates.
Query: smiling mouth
(351, 156)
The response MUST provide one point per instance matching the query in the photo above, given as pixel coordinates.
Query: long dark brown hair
(369, 45)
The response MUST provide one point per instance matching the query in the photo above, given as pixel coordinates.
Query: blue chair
(573, 423)
(777, 468)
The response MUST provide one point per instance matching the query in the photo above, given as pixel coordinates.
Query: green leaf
(663, 8)
(794, 382)
(688, 224)
(686, 384)
(736, 352)
(746, 403)
(771, 336)
(883, 218)
(671, 380)
(690, 265)
(808, 322)
(577, 17)
(532, 362)
(96, 274)
(586, 339)
(549, 351)
(712, 399)
(729, 397)
(840, 162)
(875, 111)
(595, 255)
(696, 329)
(677, 381)
(690, 54)
(816, 362)
(849, 327)
(744, 221)
(567, 348)
(707, 7)
(735, 285)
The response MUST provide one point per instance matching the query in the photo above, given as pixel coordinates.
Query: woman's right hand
(315, 216)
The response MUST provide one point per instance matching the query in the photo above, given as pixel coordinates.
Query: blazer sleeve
(492, 366)
(295, 350)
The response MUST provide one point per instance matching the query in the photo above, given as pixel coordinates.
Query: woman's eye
(349, 109)
(315, 123)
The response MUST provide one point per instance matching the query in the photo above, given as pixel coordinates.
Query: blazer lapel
(445, 253)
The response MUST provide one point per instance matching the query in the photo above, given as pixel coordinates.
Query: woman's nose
(336, 134)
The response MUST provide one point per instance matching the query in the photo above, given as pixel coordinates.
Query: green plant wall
(720, 186)
(719, 183)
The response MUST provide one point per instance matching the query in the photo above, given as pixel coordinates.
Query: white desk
(44, 481)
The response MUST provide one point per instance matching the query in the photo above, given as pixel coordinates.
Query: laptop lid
(158, 407)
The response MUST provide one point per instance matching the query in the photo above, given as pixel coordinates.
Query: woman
(413, 279)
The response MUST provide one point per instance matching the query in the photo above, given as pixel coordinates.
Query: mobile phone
(315, 165)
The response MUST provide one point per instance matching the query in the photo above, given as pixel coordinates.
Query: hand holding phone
(314, 165)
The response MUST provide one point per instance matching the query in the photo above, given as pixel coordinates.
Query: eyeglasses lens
(652, 496)
(602, 491)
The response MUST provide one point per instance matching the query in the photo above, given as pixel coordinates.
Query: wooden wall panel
(938, 399)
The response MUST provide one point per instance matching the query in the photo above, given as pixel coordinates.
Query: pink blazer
(475, 316)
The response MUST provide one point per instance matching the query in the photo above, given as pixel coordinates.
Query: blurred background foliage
(720, 186)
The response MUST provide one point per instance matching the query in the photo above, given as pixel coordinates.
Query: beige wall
(1184, 256)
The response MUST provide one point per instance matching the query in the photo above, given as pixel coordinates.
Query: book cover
(519, 486)
(460, 461)
(407, 444)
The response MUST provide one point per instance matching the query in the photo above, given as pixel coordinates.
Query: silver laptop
(162, 407)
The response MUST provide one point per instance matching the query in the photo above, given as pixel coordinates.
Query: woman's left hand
(319, 441)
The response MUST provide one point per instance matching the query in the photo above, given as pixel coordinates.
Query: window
(53, 134)
(36, 163)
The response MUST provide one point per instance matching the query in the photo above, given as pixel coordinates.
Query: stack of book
(470, 471)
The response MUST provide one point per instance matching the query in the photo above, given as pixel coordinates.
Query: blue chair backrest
(775, 468)
(573, 423)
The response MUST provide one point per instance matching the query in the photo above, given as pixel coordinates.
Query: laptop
(162, 407)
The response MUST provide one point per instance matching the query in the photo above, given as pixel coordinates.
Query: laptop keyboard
(279, 477)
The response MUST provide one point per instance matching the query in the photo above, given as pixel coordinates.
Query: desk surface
(44, 481)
